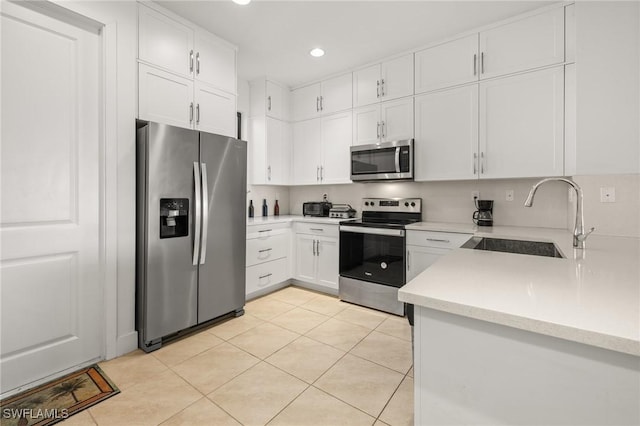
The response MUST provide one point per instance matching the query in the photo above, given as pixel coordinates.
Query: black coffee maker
(484, 215)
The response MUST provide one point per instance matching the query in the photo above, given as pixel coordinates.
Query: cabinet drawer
(266, 274)
(260, 250)
(328, 230)
(267, 230)
(436, 239)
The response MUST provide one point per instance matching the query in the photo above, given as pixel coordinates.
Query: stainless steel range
(372, 253)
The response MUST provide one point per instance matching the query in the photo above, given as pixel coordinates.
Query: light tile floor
(296, 357)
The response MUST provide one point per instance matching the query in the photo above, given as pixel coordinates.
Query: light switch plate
(475, 195)
(509, 195)
(607, 194)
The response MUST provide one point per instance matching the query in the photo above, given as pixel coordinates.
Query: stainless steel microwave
(382, 161)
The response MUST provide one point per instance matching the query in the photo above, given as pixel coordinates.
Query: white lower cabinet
(268, 257)
(425, 247)
(264, 275)
(317, 251)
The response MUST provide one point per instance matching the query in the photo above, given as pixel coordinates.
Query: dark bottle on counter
(276, 209)
(265, 209)
(250, 208)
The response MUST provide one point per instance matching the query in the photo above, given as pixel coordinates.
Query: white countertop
(290, 218)
(592, 296)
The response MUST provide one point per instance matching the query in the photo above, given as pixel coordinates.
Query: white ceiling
(274, 37)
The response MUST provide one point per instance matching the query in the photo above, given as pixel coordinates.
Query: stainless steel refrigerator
(190, 230)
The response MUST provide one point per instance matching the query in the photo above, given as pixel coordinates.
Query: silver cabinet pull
(377, 88)
(264, 250)
(317, 173)
(198, 209)
(378, 129)
(313, 247)
(317, 229)
(382, 88)
(269, 173)
(268, 103)
(191, 113)
(383, 135)
(321, 173)
(265, 276)
(317, 103)
(482, 63)
(266, 230)
(408, 260)
(318, 247)
(475, 163)
(198, 114)
(475, 66)
(321, 103)
(482, 162)
(438, 240)
(205, 213)
(191, 61)
(198, 63)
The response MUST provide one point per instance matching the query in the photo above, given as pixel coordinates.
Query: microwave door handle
(397, 159)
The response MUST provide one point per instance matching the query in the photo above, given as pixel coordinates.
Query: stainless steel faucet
(578, 230)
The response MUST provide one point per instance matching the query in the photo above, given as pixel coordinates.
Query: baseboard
(315, 287)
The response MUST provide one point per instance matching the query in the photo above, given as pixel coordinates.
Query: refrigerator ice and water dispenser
(174, 217)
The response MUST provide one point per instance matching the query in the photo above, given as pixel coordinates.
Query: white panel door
(396, 120)
(336, 143)
(52, 298)
(397, 78)
(328, 262)
(165, 97)
(447, 64)
(305, 102)
(306, 152)
(336, 94)
(215, 111)
(366, 125)
(522, 124)
(278, 152)
(305, 257)
(164, 42)
(215, 62)
(446, 142)
(366, 86)
(529, 43)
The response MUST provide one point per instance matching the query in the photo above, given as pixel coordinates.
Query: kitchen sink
(535, 248)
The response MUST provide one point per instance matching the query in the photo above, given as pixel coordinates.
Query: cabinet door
(396, 120)
(306, 258)
(366, 86)
(305, 102)
(215, 111)
(306, 152)
(420, 258)
(215, 62)
(164, 97)
(397, 78)
(274, 100)
(521, 125)
(164, 42)
(447, 64)
(336, 141)
(529, 43)
(278, 152)
(328, 264)
(257, 150)
(336, 94)
(366, 125)
(446, 142)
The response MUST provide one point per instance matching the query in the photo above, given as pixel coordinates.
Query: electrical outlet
(608, 194)
(509, 195)
(475, 195)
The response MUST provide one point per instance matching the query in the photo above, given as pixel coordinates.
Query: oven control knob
(383, 265)
(373, 203)
(366, 203)
(413, 204)
(406, 204)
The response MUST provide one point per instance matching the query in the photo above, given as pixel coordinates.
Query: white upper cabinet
(215, 62)
(532, 42)
(388, 121)
(269, 98)
(306, 151)
(366, 125)
(522, 125)
(165, 97)
(448, 64)
(215, 110)
(165, 42)
(382, 82)
(269, 151)
(329, 96)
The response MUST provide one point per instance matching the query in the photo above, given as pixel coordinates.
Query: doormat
(58, 399)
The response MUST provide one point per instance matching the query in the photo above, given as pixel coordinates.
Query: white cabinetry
(527, 43)
(317, 255)
(321, 149)
(269, 98)
(326, 97)
(388, 121)
(187, 77)
(425, 247)
(268, 256)
(269, 151)
(382, 82)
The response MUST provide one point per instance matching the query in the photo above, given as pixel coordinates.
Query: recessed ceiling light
(317, 52)
(242, 2)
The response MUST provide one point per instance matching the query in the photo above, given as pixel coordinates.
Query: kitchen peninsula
(506, 338)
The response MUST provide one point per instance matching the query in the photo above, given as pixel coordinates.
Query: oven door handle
(397, 159)
(373, 231)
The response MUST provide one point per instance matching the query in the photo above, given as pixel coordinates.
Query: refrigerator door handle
(205, 213)
(196, 234)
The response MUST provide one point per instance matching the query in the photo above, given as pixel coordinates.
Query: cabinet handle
(321, 103)
(383, 135)
(482, 162)
(382, 89)
(314, 247)
(475, 163)
(438, 240)
(198, 63)
(378, 129)
(317, 173)
(408, 261)
(317, 103)
(264, 250)
(475, 66)
(321, 173)
(377, 88)
(191, 61)
(191, 113)
(264, 276)
(266, 230)
(269, 173)
(317, 229)
(482, 63)
(198, 114)
(269, 103)
(317, 247)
